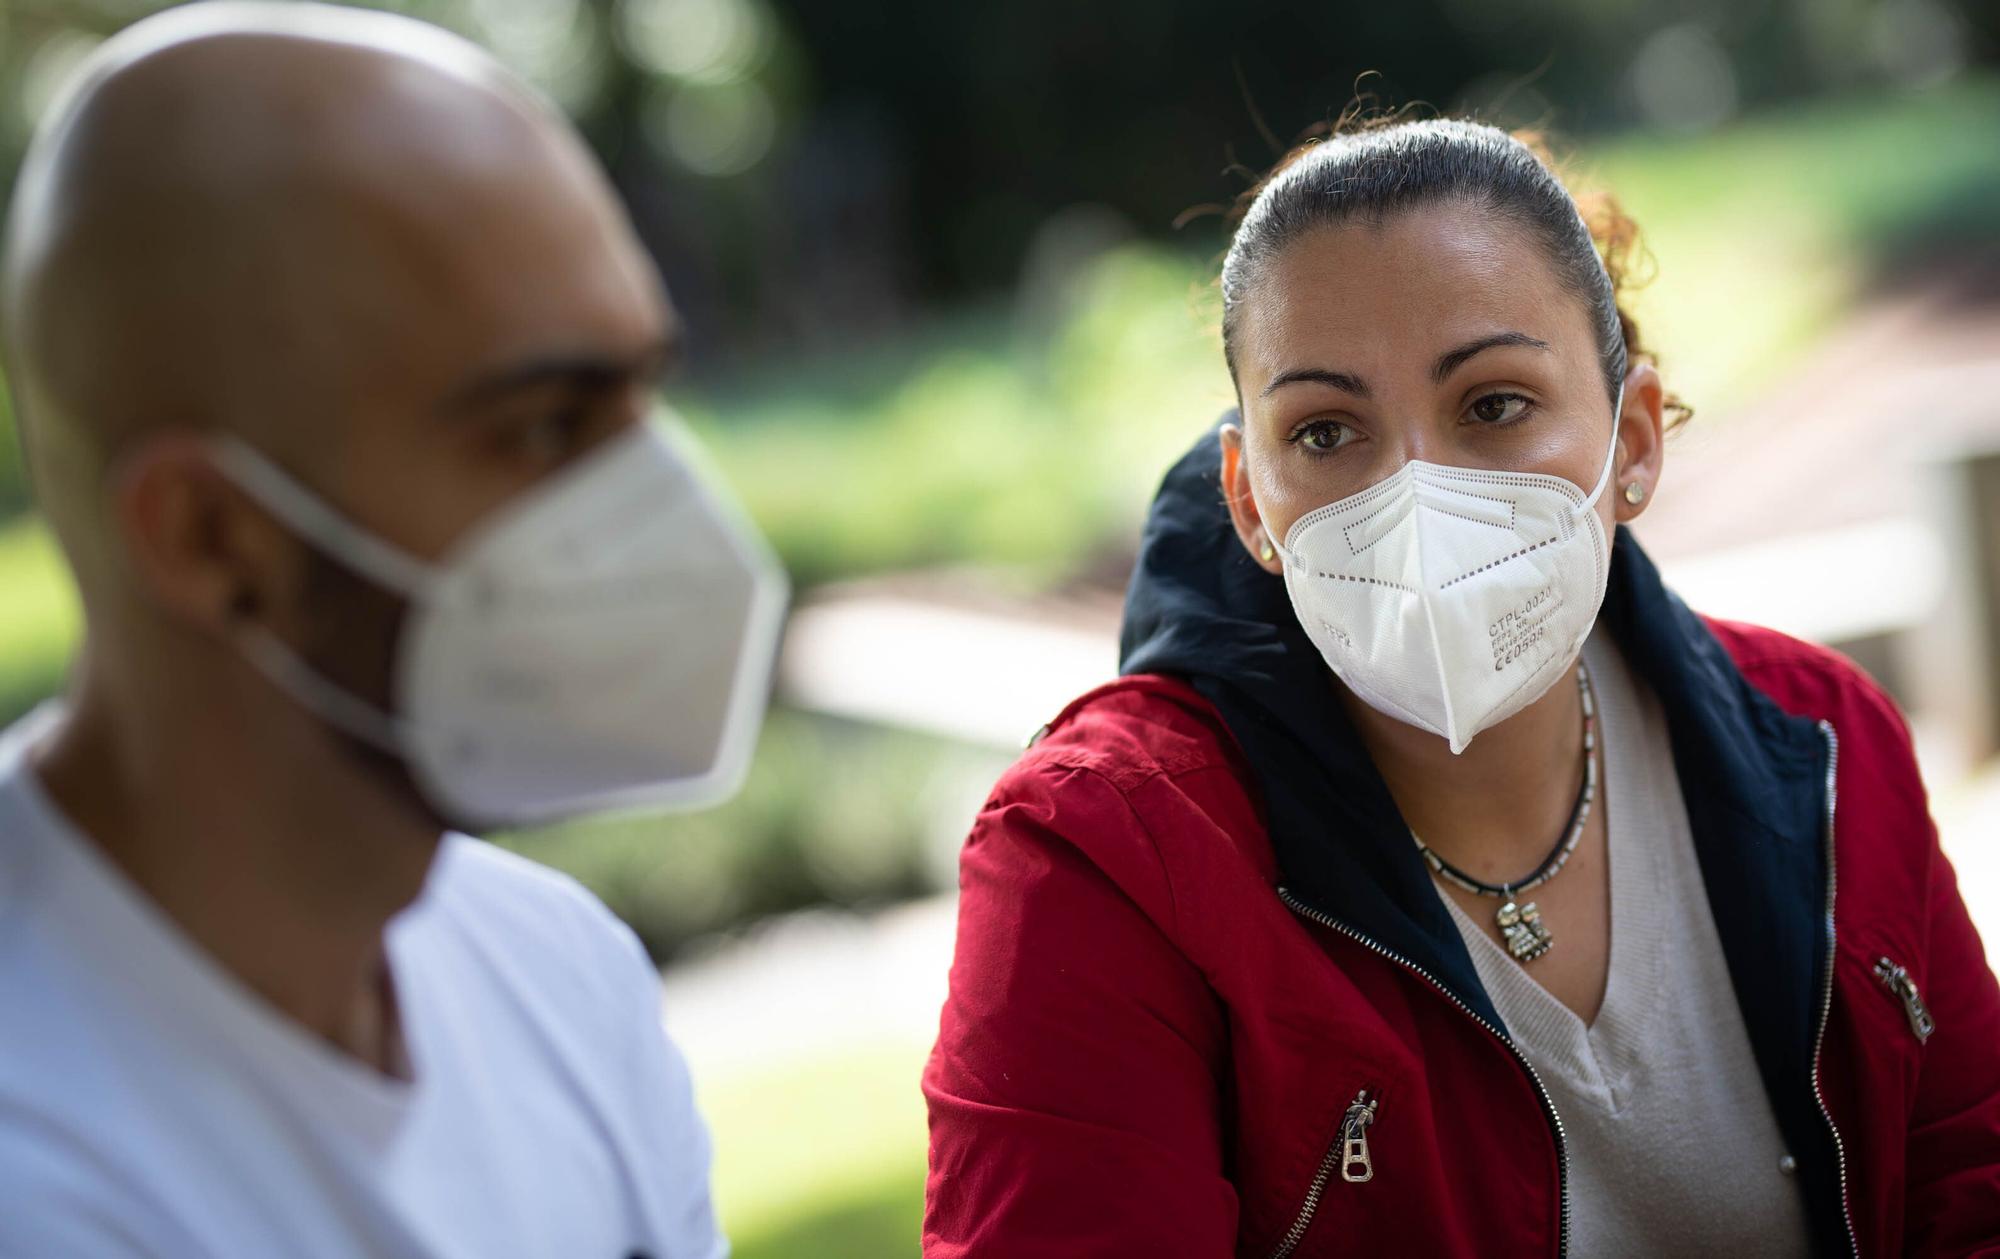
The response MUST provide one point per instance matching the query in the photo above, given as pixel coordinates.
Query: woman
(1434, 882)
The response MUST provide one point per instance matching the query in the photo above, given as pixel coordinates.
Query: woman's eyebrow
(1447, 363)
(1318, 375)
(1450, 361)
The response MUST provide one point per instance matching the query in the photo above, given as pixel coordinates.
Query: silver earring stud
(1635, 493)
(1267, 553)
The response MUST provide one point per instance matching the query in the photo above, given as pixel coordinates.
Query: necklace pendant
(1521, 926)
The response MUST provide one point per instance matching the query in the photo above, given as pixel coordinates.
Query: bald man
(333, 354)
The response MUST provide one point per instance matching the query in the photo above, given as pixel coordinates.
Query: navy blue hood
(1753, 777)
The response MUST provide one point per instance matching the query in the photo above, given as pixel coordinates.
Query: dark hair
(1369, 169)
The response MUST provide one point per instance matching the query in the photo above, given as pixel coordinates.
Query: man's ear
(1243, 505)
(1641, 441)
(206, 554)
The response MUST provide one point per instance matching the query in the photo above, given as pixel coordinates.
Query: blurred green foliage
(999, 440)
(833, 814)
(1765, 233)
(39, 619)
(866, 150)
(13, 472)
(1007, 445)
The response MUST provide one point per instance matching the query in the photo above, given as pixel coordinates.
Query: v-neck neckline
(1595, 1058)
(160, 965)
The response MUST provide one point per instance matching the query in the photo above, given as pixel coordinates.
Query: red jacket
(1146, 1053)
(1171, 983)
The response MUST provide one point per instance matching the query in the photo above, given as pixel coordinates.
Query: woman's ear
(1243, 505)
(1641, 443)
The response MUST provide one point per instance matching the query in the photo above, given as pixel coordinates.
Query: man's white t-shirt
(151, 1105)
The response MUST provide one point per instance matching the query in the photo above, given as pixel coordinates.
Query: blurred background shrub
(834, 814)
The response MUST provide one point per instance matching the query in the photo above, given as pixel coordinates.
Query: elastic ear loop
(298, 507)
(320, 695)
(279, 493)
(1284, 552)
(1611, 453)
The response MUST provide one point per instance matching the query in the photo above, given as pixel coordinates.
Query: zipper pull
(1355, 1166)
(1897, 980)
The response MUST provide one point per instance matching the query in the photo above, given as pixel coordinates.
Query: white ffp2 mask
(602, 641)
(1452, 598)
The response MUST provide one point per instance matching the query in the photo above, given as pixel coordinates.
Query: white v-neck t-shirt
(151, 1105)
(1673, 1147)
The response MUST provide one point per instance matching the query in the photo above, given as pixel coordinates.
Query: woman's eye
(1322, 436)
(1500, 408)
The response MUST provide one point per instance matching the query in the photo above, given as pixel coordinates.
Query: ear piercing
(1635, 493)
(1265, 552)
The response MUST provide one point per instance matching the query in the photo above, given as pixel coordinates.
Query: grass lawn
(823, 1157)
(881, 1220)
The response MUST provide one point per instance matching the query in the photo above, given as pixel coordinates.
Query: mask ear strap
(309, 515)
(325, 699)
(1604, 477)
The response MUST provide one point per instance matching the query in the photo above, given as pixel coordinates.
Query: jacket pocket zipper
(1350, 1152)
(1356, 1168)
(1897, 980)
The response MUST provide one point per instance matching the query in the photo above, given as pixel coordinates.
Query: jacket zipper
(1314, 1192)
(1826, 989)
(1354, 1139)
(1349, 1149)
(1318, 1186)
(1897, 980)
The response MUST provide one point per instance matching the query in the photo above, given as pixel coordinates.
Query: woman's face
(1440, 334)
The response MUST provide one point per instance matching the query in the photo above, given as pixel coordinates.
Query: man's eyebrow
(584, 370)
(1450, 361)
(1318, 375)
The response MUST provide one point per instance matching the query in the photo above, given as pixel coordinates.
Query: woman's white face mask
(602, 641)
(1452, 598)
